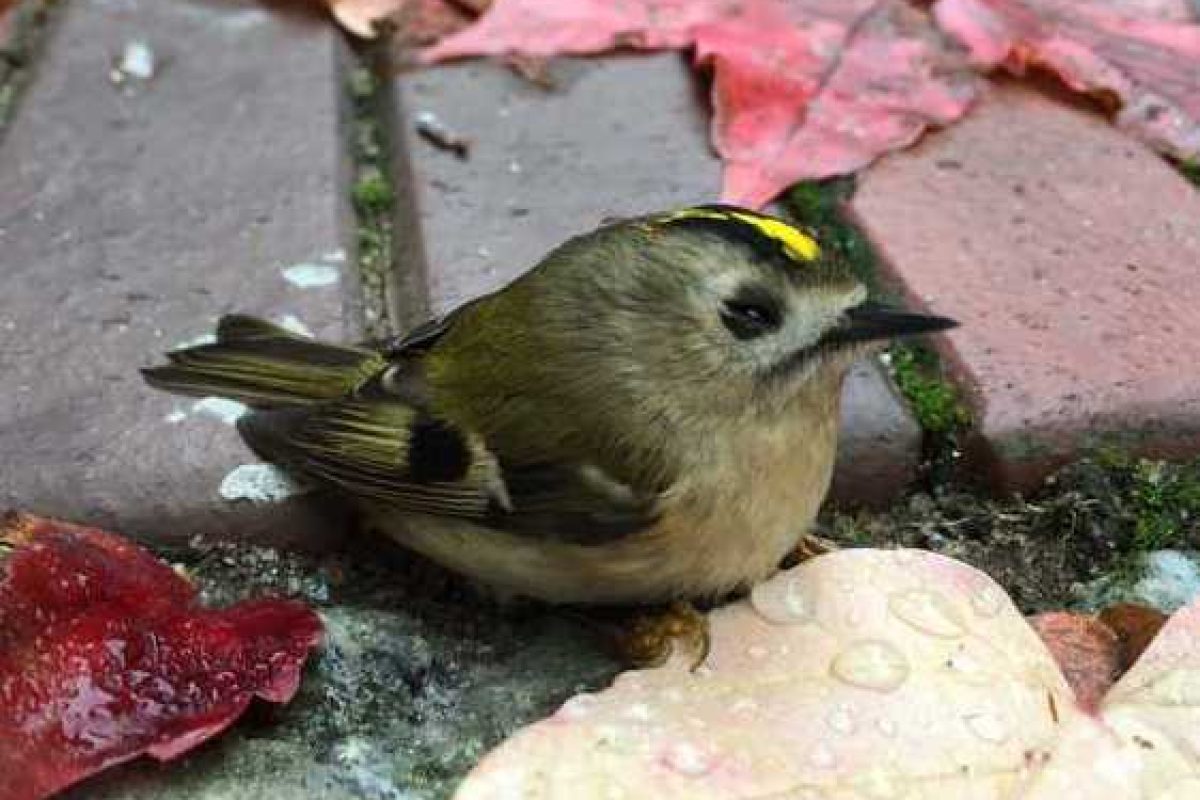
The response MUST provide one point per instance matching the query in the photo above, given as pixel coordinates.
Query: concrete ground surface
(136, 210)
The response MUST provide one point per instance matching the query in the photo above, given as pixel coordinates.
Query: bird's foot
(809, 546)
(652, 638)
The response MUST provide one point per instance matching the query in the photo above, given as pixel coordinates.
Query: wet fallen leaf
(1136, 626)
(1142, 744)
(1146, 55)
(869, 673)
(856, 674)
(105, 655)
(1087, 651)
(801, 89)
(891, 78)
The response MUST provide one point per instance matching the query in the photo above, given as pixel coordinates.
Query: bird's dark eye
(751, 313)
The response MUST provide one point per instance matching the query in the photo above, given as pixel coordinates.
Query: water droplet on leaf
(871, 664)
(928, 612)
(578, 707)
(688, 759)
(1177, 687)
(988, 726)
(839, 720)
(822, 757)
(987, 602)
(784, 600)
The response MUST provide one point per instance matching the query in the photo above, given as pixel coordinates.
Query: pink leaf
(870, 673)
(1146, 54)
(858, 674)
(890, 78)
(801, 89)
(104, 656)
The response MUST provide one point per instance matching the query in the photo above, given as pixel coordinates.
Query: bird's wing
(421, 338)
(380, 446)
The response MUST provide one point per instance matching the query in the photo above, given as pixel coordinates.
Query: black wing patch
(393, 453)
(437, 452)
(386, 451)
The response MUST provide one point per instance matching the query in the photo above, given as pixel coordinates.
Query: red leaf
(828, 99)
(104, 656)
(1088, 652)
(1136, 626)
(801, 89)
(1144, 53)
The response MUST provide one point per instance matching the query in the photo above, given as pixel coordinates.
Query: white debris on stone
(1171, 580)
(137, 62)
(258, 483)
(367, 769)
(1168, 581)
(335, 256)
(311, 275)
(227, 411)
(195, 341)
(176, 416)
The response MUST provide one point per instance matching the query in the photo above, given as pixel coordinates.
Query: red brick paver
(547, 165)
(1071, 254)
(133, 215)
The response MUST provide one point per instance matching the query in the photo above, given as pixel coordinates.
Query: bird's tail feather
(264, 366)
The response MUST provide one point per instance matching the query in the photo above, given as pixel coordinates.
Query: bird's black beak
(869, 322)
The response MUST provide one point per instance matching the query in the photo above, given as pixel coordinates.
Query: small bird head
(727, 305)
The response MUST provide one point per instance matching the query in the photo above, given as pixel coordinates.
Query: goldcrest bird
(648, 415)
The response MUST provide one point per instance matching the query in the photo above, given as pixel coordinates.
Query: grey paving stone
(880, 443)
(131, 217)
(622, 135)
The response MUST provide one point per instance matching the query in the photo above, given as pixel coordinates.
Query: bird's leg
(809, 546)
(652, 638)
(649, 636)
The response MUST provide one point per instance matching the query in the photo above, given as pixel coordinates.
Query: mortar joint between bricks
(371, 189)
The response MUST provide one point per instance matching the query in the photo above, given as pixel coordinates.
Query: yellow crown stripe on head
(798, 245)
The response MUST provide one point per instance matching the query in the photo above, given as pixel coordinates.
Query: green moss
(935, 401)
(818, 206)
(8, 100)
(850, 530)
(1191, 170)
(372, 193)
(1156, 503)
(362, 84)
(1166, 502)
